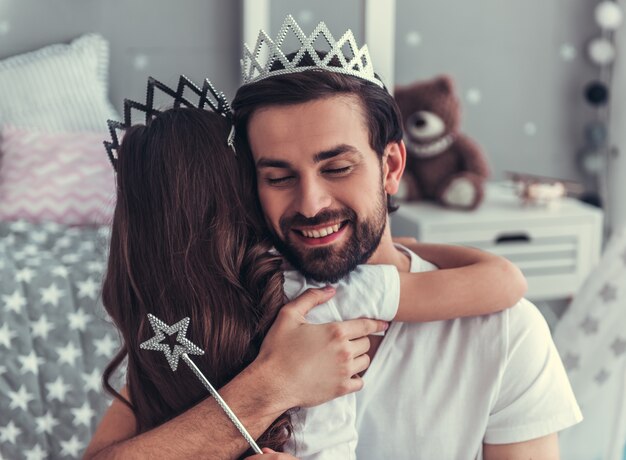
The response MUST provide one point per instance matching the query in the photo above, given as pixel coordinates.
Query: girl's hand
(303, 364)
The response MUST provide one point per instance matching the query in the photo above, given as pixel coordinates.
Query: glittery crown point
(182, 346)
(207, 98)
(341, 56)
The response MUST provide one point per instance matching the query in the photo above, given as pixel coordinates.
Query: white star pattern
(10, 432)
(51, 295)
(47, 324)
(36, 453)
(39, 237)
(71, 447)
(14, 301)
(61, 271)
(63, 242)
(46, 423)
(20, 398)
(68, 353)
(19, 255)
(87, 288)
(20, 226)
(413, 38)
(42, 327)
(83, 415)
(70, 258)
(24, 275)
(92, 380)
(95, 266)
(568, 52)
(33, 261)
(30, 363)
(6, 335)
(474, 96)
(87, 246)
(31, 249)
(105, 346)
(52, 227)
(78, 320)
(57, 389)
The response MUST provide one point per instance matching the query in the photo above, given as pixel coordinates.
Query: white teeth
(321, 232)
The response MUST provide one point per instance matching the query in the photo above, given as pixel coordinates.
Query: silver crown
(359, 64)
(207, 96)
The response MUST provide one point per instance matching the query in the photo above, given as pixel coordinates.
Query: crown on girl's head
(356, 62)
(207, 96)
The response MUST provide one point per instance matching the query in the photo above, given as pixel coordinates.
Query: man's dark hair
(380, 110)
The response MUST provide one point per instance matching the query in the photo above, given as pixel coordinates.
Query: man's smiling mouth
(320, 231)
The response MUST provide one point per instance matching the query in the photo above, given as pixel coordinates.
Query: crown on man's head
(207, 96)
(355, 61)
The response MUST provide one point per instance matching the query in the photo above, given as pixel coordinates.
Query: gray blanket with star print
(55, 339)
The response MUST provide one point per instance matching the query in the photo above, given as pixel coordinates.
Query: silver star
(589, 325)
(183, 345)
(618, 346)
(601, 376)
(608, 293)
(571, 361)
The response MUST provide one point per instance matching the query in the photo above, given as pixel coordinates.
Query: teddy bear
(443, 165)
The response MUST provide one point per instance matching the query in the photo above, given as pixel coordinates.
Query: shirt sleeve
(370, 291)
(535, 397)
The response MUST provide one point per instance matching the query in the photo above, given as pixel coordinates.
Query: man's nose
(313, 198)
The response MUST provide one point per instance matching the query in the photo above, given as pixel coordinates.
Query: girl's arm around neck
(469, 282)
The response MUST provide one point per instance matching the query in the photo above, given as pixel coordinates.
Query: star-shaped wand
(182, 349)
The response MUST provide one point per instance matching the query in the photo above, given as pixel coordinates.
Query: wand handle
(231, 415)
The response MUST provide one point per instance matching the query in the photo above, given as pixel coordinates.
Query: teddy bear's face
(430, 114)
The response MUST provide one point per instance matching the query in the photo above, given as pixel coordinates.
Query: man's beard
(329, 264)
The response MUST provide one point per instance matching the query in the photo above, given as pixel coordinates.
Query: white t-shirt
(328, 431)
(438, 390)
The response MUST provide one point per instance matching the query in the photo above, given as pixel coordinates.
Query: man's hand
(309, 364)
(269, 454)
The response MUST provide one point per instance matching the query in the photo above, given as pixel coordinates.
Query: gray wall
(198, 38)
(508, 54)
(522, 100)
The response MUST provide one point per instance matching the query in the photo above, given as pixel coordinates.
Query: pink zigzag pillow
(60, 177)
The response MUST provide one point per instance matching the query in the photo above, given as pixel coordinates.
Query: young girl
(187, 240)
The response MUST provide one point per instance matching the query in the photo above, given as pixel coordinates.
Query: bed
(57, 193)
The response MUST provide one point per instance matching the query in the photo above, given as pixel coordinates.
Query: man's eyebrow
(269, 163)
(335, 151)
(321, 156)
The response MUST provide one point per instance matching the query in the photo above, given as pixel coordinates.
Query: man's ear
(394, 161)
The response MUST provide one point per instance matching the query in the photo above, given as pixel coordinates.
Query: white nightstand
(554, 247)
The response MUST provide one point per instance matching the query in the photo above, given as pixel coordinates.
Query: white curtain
(591, 338)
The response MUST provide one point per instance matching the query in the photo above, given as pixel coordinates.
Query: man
(327, 152)
(327, 147)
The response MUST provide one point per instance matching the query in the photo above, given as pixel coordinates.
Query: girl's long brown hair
(187, 240)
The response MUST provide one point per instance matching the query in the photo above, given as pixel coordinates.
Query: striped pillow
(58, 88)
(60, 177)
